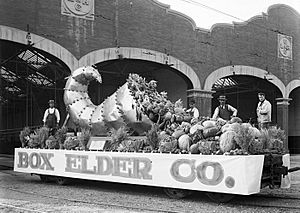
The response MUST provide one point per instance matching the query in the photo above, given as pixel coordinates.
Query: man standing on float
(51, 116)
(263, 111)
(224, 111)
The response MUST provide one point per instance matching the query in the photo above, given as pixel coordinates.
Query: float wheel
(177, 193)
(61, 180)
(45, 178)
(220, 197)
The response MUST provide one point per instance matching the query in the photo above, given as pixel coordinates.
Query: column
(282, 118)
(1, 101)
(203, 100)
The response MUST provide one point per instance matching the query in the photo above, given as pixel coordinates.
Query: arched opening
(241, 92)
(29, 78)
(115, 72)
(294, 121)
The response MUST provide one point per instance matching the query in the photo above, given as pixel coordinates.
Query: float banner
(215, 173)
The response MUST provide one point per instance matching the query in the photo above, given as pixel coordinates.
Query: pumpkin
(177, 133)
(227, 141)
(196, 127)
(210, 132)
(194, 148)
(208, 124)
(184, 142)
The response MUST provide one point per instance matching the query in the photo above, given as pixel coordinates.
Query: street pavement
(7, 163)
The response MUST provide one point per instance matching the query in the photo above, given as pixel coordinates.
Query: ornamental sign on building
(78, 8)
(285, 46)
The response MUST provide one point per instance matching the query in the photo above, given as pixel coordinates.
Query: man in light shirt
(263, 111)
(51, 116)
(193, 111)
(224, 111)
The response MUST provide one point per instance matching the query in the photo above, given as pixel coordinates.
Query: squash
(227, 141)
(184, 142)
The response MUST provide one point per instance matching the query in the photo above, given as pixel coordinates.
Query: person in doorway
(193, 111)
(51, 116)
(224, 111)
(263, 111)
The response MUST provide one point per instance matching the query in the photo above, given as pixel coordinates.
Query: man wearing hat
(263, 111)
(224, 111)
(51, 116)
(193, 111)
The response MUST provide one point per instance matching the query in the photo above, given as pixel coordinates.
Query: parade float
(138, 136)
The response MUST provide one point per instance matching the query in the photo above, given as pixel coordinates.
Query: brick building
(42, 42)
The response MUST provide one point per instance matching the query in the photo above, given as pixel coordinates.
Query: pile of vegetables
(203, 137)
(173, 130)
(152, 103)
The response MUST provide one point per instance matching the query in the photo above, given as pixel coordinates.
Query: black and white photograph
(149, 106)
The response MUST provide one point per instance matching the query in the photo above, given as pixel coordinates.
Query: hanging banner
(215, 173)
(78, 8)
(285, 47)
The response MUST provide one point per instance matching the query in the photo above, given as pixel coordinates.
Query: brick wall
(145, 24)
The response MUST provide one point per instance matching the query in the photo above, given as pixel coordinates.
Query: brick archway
(243, 70)
(142, 54)
(291, 86)
(42, 43)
